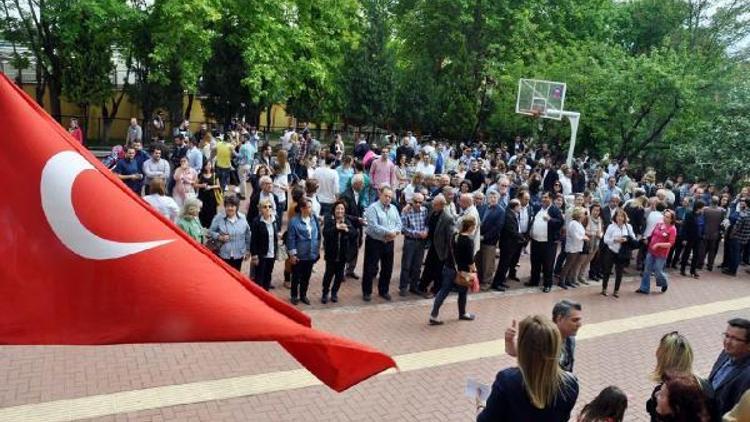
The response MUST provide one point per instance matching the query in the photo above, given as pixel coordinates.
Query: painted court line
(227, 388)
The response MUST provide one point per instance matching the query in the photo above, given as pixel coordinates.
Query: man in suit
(511, 242)
(354, 199)
(730, 376)
(544, 232)
(491, 228)
(712, 216)
(693, 230)
(441, 227)
(525, 212)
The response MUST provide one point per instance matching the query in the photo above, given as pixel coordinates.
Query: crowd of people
(466, 214)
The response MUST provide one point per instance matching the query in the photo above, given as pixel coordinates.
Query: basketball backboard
(541, 98)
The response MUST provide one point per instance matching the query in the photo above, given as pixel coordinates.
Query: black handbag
(586, 247)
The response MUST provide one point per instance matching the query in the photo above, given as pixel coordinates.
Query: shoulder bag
(463, 278)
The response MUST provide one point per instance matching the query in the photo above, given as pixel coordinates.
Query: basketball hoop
(535, 113)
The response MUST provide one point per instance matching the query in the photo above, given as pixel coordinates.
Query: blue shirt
(195, 159)
(345, 175)
(381, 220)
(128, 167)
(414, 222)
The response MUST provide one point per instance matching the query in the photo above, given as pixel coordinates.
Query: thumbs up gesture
(510, 339)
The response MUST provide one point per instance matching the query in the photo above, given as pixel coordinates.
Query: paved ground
(260, 382)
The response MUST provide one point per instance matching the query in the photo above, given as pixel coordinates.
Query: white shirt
(425, 169)
(472, 210)
(539, 228)
(654, 217)
(280, 186)
(566, 183)
(269, 197)
(165, 205)
(328, 179)
(271, 240)
(614, 232)
(574, 237)
(523, 219)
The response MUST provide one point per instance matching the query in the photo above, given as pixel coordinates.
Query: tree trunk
(55, 92)
(269, 118)
(189, 108)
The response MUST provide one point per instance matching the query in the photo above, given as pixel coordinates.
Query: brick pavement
(40, 374)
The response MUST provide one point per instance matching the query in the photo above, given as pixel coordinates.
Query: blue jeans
(655, 265)
(447, 285)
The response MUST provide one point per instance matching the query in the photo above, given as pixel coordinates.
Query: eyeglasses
(266, 206)
(418, 202)
(728, 336)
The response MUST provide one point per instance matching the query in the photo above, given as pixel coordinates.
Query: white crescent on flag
(58, 176)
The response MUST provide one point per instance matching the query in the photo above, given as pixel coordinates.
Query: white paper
(475, 389)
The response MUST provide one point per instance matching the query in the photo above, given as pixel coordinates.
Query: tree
(369, 70)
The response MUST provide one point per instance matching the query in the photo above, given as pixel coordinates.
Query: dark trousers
(432, 272)
(325, 209)
(223, 175)
(542, 261)
(507, 255)
(609, 259)
(692, 250)
(301, 272)
(263, 272)
(711, 249)
(735, 256)
(335, 271)
(514, 261)
(449, 274)
(411, 263)
(595, 266)
(377, 253)
(234, 263)
(675, 253)
(352, 264)
(560, 261)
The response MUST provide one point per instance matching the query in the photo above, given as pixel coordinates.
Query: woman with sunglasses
(263, 244)
(340, 245)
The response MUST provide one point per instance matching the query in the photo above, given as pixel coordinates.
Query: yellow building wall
(127, 110)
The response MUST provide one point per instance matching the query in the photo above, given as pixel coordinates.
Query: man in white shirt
(328, 179)
(544, 231)
(155, 168)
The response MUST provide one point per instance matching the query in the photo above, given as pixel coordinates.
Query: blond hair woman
(536, 390)
(674, 357)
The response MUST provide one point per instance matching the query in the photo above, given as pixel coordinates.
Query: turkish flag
(86, 261)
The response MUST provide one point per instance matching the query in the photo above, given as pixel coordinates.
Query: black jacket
(690, 229)
(338, 245)
(492, 225)
(353, 210)
(730, 390)
(510, 237)
(509, 401)
(259, 238)
(252, 211)
(554, 224)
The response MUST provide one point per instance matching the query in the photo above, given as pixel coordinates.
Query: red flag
(86, 261)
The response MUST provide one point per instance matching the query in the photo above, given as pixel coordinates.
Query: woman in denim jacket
(303, 243)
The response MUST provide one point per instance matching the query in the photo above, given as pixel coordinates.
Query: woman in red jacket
(662, 240)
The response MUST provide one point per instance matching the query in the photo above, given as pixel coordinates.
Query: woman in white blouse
(575, 235)
(617, 233)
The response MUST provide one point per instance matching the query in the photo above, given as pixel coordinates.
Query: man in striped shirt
(414, 228)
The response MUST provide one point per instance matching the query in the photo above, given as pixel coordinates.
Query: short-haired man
(328, 180)
(414, 228)
(135, 133)
(155, 168)
(493, 220)
(730, 376)
(128, 171)
(544, 231)
(440, 230)
(356, 202)
(383, 225)
(568, 316)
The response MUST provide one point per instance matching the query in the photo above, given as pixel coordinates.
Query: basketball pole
(574, 117)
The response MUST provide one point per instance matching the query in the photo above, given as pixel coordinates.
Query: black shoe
(367, 298)
(241, 197)
(727, 272)
(324, 299)
(415, 291)
(664, 288)
(498, 288)
(562, 286)
(503, 285)
(334, 298)
(467, 317)
(571, 284)
(546, 289)
(386, 296)
(271, 287)
(352, 275)
(710, 268)
(641, 292)
(695, 275)
(295, 301)
(530, 284)
(682, 273)
(304, 300)
(403, 293)
(434, 321)
(514, 278)
(615, 294)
